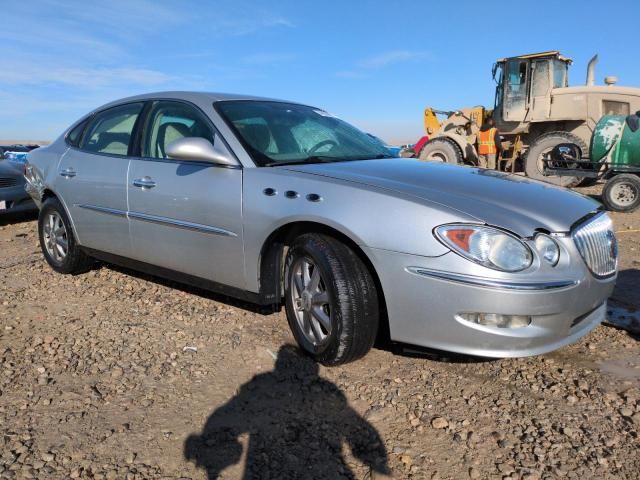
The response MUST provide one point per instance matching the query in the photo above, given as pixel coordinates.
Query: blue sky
(373, 63)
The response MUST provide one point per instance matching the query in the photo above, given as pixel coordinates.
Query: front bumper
(424, 302)
(16, 200)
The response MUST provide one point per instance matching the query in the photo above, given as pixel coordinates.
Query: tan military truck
(535, 110)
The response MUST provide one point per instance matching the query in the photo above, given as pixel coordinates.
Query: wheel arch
(273, 251)
(48, 192)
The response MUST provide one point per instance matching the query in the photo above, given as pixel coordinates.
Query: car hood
(11, 168)
(496, 198)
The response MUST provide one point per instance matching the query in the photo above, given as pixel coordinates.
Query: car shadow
(383, 341)
(297, 423)
(15, 218)
(625, 296)
(200, 292)
(431, 354)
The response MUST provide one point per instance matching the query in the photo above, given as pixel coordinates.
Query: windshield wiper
(303, 161)
(324, 159)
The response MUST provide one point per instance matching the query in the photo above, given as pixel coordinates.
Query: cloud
(85, 78)
(350, 74)
(264, 59)
(239, 26)
(388, 58)
(382, 60)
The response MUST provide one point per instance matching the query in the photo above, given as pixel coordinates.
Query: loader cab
(524, 84)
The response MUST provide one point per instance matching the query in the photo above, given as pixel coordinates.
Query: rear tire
(330, 299)
(622, 193)
(59, 246)
(533, 163)
(442, 150)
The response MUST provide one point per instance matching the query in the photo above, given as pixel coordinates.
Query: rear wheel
(622, 193)
(330, 299)
(442, 150)
(58, 244)
(534, 164)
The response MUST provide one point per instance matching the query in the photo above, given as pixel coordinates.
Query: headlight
(487, 246)
(547, 249)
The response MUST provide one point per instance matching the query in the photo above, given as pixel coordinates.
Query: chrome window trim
(491, 282)
(172, 222)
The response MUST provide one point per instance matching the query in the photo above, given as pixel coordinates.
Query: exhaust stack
(591, 71)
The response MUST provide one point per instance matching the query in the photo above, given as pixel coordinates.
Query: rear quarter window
(75, 135)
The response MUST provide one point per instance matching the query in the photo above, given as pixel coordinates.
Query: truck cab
(524, 85)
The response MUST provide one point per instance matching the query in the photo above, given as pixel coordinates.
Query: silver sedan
(281, 203)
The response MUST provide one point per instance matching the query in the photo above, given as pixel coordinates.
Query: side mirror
(198, 149)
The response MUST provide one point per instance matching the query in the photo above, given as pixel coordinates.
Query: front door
(185, 216)
(540, 90)
(93, 179)
(515, 90)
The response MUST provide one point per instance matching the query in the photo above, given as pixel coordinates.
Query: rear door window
(111, 130)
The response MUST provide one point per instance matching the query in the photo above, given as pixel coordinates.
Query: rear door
(185, 216)
(92, 179)
(540, 90)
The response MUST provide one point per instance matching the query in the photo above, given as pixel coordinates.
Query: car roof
(194, 97)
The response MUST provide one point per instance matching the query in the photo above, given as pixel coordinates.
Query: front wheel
(622, 193)
(331, 300)
(442, 150)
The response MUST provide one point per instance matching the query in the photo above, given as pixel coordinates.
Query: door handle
(68, 173)
(144, 182)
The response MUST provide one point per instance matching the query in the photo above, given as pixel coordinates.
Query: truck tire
(331, 300)
(533, 163)
(622, 193)
(442, 150)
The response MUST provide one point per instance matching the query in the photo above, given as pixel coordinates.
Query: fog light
(496, 319)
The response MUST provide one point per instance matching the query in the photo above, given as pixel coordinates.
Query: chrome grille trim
(597, 245)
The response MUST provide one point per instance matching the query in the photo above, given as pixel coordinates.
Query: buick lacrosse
(281, 203)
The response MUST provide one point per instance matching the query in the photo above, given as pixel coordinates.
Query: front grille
(597, 245)
(6, 182)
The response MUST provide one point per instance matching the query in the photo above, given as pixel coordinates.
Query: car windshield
(276, 133)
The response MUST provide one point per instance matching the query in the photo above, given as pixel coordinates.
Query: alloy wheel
(310, 301)
(55, 237)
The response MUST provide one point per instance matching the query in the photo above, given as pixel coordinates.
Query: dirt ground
(113, 374)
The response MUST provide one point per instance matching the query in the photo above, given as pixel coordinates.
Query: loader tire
(442, 150)
(533, 163)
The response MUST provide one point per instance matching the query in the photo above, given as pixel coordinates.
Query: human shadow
(297, 423)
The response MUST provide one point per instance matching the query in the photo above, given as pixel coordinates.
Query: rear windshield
(277, 133)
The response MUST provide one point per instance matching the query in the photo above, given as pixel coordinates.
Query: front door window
(171, 121)
(516, 90)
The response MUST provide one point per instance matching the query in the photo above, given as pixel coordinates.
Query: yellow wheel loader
(534, 110)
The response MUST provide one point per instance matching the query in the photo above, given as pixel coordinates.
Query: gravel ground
(113, 374)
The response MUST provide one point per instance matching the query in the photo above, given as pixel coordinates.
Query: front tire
(441, 150)
(331, 300)
(534, 164)
(622, 193)
(59, 246)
